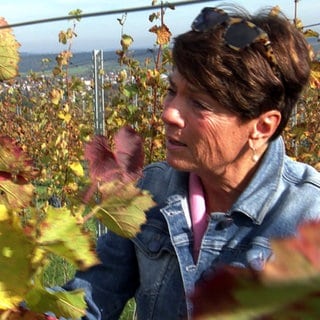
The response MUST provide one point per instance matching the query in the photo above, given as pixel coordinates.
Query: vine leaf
(163, 34)
(287, 288)
(21, 313)
(62, 235)
(122, 208)
(77, 168)
(16, 194)
(15, 161)
(101, 160)
(129, 151)
(296, 257)
(9, 55)
(125, 163)
(315, 75)
(69, 304)
(16, 169)
(15, 252)
(126, 41)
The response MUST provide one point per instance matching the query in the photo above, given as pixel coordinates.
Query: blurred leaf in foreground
(65, 304)
(287, 289)
(9, 55)
(16, 250)
(62, 235)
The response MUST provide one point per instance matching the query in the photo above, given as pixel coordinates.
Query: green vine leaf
(122, 208)
(126, 41)
(62, 235)
(63, 304)
(16, 249)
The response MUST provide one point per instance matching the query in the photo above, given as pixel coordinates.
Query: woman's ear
(266, 125)
(262, 130)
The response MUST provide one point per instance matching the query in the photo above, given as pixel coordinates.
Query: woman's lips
(174, 144)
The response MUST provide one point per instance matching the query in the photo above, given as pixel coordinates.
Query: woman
(234, 83)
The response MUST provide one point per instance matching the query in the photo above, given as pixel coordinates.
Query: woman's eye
(170, 91)
(199, 105)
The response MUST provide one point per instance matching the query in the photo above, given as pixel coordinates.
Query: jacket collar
(256, 200)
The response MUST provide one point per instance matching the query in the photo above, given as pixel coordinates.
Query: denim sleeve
(109, 285)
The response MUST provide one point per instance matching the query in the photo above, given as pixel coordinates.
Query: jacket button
(191, 268)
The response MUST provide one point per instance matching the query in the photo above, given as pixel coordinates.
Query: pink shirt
(198, 211)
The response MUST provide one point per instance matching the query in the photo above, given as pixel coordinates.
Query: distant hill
(81, 62)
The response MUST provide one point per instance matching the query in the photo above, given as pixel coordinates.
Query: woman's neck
(222, 191)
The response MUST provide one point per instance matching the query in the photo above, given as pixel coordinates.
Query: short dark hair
(244, 81)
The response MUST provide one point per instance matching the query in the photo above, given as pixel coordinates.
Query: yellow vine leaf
(315, 75)
(299, 24)
(77, 168)
(9, 55)
(15, 252)
(163, 34)
(126, 41)
(62, 235)
(66, 117)
(16, 196)
(56, 95)
(311, 33)
(3, 212)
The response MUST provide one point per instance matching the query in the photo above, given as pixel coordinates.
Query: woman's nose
(172, 114)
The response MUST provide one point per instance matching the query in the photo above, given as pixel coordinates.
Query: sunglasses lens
(240, 35)
(208, 18)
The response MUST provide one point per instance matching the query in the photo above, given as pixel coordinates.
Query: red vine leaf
(124, 164)
(129, 151)
(102, 162)
(287, 288)
(15, 161)
(16, 169)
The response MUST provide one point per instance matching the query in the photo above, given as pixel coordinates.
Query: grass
(59, 271)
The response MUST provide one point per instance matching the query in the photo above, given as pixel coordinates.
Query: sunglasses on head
(239, 34)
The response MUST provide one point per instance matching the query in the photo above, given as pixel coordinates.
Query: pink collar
(198, 211)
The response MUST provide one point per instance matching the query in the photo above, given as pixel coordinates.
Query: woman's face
(201, 135)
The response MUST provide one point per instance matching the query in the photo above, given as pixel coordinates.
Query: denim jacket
(157, 267)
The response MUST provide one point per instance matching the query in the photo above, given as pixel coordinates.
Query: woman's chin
(178, 164)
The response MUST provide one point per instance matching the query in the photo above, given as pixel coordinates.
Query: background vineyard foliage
(54, 121)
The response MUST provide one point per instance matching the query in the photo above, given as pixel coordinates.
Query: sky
(104, 32)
